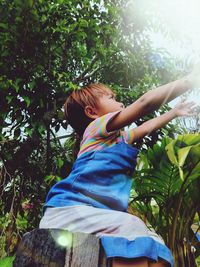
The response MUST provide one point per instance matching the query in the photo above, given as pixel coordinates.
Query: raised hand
(185, 109)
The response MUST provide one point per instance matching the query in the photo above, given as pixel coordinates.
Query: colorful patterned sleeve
(104, 120)
(98, 127)
(128, 136)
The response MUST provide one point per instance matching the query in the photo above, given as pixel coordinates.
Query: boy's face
(107, 104)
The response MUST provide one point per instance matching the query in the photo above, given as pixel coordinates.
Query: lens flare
(65, 240)
(62, 238)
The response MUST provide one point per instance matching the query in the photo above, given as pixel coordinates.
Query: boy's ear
(91, 112)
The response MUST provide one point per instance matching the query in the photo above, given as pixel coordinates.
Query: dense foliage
(168, 193)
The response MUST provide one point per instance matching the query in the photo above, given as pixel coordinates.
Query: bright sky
(182, 37)
(183, 21)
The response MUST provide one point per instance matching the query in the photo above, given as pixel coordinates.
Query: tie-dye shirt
(96, 136)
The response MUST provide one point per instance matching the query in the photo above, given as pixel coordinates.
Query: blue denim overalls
(102, 179)
(99, 178)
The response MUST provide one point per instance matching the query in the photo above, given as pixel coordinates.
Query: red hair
(75, 105)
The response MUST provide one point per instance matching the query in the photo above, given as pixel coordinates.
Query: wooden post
(60, 248)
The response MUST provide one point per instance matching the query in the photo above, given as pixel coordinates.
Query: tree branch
(82, 75)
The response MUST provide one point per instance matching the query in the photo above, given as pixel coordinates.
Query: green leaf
(50, 178)
(27, 100)
(19, 19)
(181, 173)
(21, 222)
(41, 130)
(5, 53)
(182, 155)
(30, 3)
(189, 139)
(7, 261)
(60, 1)
(4, 26)
(171, 153)
(195, 151)
(83, 23)
(9, 98)
(29, 131)
(60, 162)
(32, 84)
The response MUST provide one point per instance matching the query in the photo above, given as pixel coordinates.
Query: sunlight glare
(182, 21)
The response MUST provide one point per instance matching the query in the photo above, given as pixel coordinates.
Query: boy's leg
(118, 262)
(159, 264)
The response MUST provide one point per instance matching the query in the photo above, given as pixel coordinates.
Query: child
(94, 197)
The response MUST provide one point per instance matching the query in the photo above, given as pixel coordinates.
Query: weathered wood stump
(60, 248)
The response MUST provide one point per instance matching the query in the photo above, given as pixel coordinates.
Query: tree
(49, 48)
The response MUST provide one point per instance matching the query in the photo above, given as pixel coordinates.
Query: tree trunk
(60, 248)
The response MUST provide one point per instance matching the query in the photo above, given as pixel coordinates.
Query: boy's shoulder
(98, 126)
(96, 136)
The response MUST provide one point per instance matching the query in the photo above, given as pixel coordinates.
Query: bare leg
(159, 264)
(118, 262)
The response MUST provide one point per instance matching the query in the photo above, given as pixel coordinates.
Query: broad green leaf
(171, 153)
(182, 155)
(195, 151)
(189, 139)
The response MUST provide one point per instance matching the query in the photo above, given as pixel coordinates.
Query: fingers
(185, 105)
(192, 109)
(190, 104)
(188, 108)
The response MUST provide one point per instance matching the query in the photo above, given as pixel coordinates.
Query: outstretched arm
(182, 109)
(149, 102)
